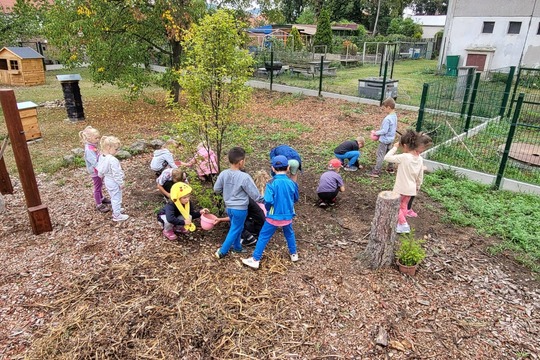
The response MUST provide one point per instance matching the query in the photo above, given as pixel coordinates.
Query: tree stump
(382, 239)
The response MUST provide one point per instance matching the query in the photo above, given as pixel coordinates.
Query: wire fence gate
(488, 123)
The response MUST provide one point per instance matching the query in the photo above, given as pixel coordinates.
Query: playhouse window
(14, 64)
(3, 64)
(514, 27)
(488, 27)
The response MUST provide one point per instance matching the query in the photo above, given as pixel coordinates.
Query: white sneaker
(121, 217)
(251, 262)
(294, 257)
(403, 228)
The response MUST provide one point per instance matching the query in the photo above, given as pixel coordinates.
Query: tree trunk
(381, 245)
(377, 18)
(175, 65)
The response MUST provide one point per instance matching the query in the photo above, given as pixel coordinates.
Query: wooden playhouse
(21, 66)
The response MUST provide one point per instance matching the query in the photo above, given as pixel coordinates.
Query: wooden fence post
(39, 214)
(380, 249)
(5, 182)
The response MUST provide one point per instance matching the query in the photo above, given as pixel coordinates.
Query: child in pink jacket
(205, 161)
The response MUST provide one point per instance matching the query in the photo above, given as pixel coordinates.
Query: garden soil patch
(93, 288)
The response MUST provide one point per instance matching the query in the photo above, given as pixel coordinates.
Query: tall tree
(307, 17)
(405, 27)
(118, 36)
(323, 35)
(216, 69)
(291, 9)
(430, 7)
(377, 17)
(22, 22)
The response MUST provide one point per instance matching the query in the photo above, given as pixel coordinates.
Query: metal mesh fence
(463, 116)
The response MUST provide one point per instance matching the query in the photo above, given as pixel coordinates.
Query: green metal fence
(468, 120)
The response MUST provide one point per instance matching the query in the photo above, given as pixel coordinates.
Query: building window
(14, 64)
(3, 64)
(514, 27)
(488, 27)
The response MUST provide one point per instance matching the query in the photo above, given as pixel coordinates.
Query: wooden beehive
(29, 119)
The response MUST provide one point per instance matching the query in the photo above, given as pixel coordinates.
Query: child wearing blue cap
(279, 197)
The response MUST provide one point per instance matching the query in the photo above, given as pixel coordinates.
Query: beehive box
(29, 119)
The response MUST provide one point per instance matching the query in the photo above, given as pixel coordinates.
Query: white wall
(466, 32)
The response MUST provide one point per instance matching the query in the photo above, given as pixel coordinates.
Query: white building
(431, 24)
(493, 34)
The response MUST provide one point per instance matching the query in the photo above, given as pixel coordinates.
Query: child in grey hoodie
(163, 158)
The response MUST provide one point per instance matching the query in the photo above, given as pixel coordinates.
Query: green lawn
(411, 74)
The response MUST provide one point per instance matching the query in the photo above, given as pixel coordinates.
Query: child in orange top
(410, 173)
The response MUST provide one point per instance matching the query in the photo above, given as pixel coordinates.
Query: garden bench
(329, 71)
(304, 69)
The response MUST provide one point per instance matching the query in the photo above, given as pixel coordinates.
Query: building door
(478, 60)
(4, 76)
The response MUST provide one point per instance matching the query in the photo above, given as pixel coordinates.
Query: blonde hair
(87, 133)
(107, 143)
(171, 143)
(178, 175)
(360, 140)
(389, 102)
(260, 178)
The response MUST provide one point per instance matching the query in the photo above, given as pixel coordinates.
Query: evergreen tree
(323, 36)
(294, 41)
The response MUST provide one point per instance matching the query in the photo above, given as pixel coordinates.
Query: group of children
(255, 209)
(410, 173)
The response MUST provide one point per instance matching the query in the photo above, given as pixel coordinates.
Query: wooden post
(5, 182)
(381, 245)
(39, 215)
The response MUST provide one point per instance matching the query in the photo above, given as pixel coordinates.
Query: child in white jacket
(109, 169)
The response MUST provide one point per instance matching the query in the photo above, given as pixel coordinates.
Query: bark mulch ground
(95, 289)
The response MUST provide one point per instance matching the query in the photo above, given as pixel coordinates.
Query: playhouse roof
(23, 52)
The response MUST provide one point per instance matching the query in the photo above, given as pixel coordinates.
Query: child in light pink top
(205, 161)
(410, 173)
(90, 138)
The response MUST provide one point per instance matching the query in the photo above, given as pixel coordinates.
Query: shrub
(410, 250)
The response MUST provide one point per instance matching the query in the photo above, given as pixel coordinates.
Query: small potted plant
(410, 253)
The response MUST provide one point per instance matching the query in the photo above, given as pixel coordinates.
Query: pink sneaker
(169, 234)
(180, 229)
(411, 213)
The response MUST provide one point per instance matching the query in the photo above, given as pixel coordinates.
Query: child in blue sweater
(280, 196)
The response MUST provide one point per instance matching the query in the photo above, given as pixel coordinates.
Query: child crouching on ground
(330, 184)
(163, 158)
(168, 178)
(280, 196)
(205, 161)
(178, 215)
